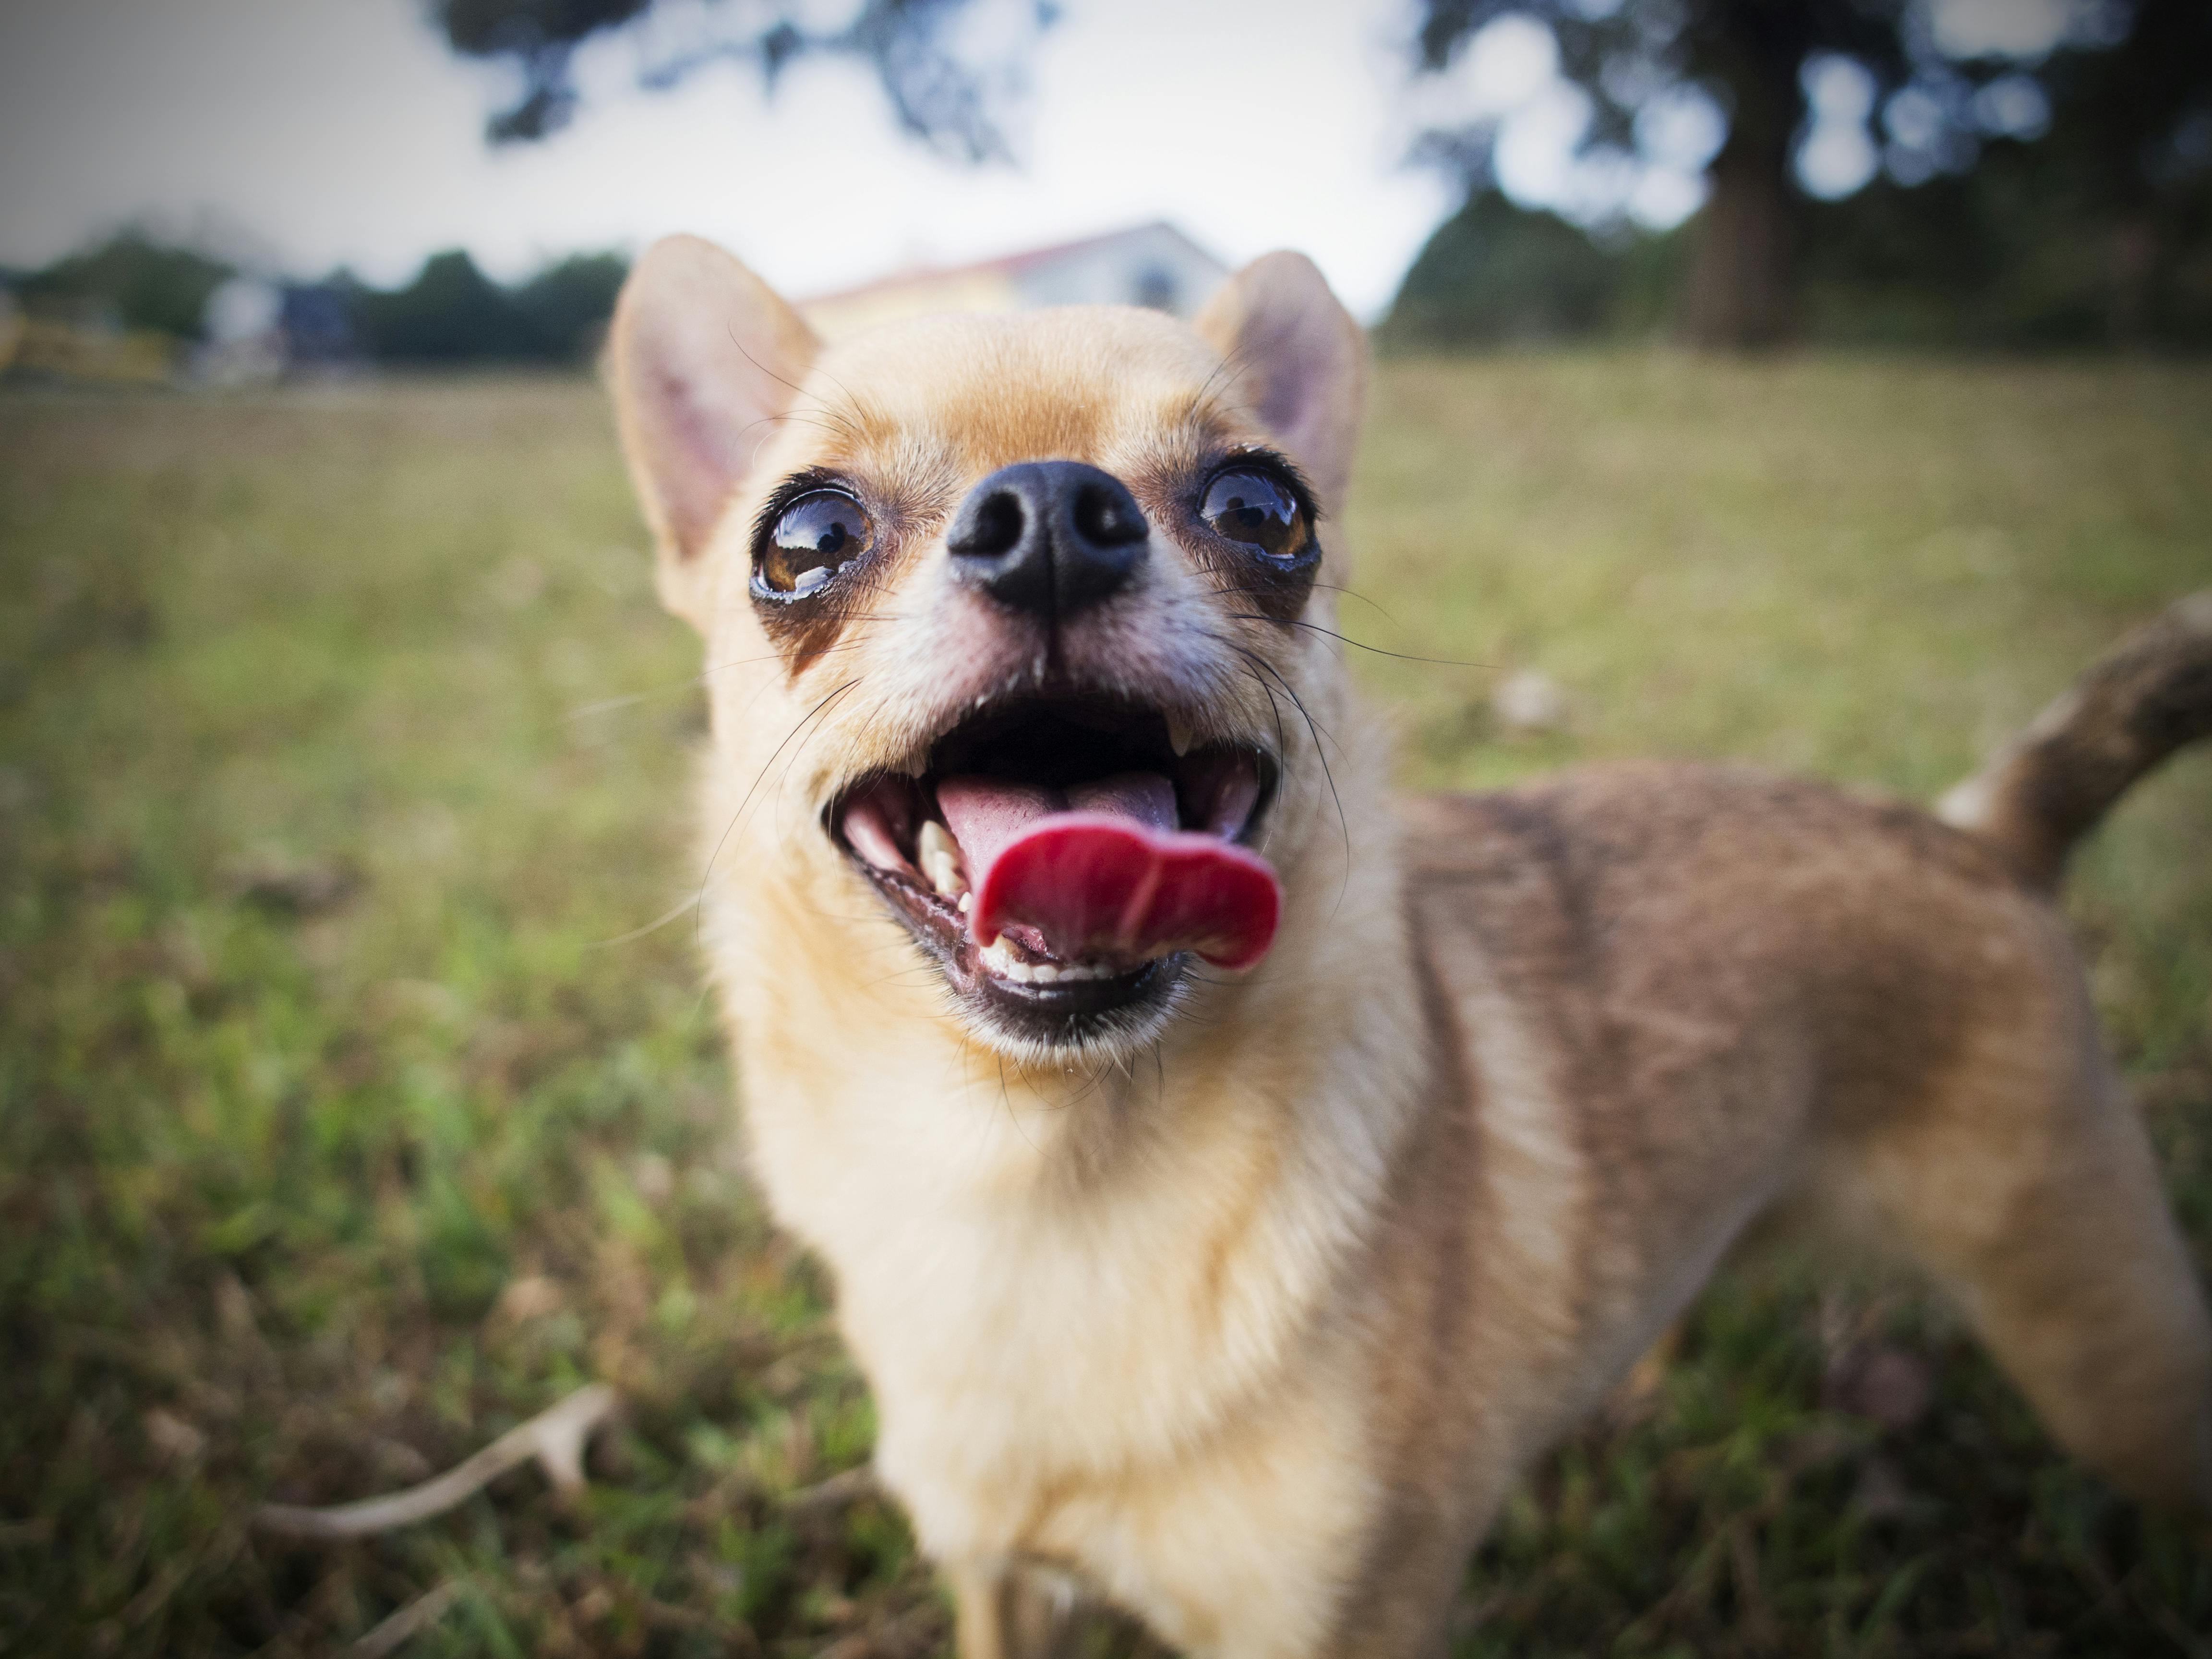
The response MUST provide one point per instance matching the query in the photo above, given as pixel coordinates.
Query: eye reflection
(1256, 508)
(816, 536)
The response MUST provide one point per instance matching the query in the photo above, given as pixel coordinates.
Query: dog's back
(1672, 995)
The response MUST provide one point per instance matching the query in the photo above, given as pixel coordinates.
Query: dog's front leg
(1009, 1611)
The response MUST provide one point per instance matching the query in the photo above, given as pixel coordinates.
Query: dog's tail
(2142, 700)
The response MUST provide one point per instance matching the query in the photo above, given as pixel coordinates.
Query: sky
(307, 134)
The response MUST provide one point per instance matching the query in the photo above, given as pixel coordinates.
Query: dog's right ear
(703, 356)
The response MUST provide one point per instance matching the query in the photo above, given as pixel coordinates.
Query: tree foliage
(941, 91)
(131, 279)
(2117, 180)
(1497, 274)
(1740, 52)
(451, 313)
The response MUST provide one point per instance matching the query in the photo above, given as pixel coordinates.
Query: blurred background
(1819, 384)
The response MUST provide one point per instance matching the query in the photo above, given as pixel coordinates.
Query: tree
(452, 313)
(568, 302)
(140, 283)
(2129, 96)
(2131, 143)
(1496, 273)
(941, 90)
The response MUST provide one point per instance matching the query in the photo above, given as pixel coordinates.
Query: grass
(339, 732)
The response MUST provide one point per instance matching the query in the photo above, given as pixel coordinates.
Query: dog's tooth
(966, 903)
(939, 856)
(1179, 734)
(1045, 974)
(998, 958)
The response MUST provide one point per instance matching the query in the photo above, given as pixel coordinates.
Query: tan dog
(1237, 1295)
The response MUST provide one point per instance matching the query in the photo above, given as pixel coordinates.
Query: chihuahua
(1233, 1175)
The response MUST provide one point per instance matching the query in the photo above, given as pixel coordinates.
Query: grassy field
(340, 734)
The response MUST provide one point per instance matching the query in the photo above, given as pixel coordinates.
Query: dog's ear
(703, 356)
(1300, 362)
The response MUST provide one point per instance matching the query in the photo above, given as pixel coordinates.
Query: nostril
(994, 528)
(1047, 537)
(1106, 517)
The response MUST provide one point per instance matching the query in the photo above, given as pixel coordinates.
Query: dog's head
(1016, 625)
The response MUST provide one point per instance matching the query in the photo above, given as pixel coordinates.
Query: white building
(1153, 265)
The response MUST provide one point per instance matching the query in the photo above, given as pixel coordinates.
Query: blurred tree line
(2059, 198)
(130, 280)
(453, 312)
(450, 312)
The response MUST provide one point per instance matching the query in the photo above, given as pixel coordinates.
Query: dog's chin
(1027, 993)
(1078, 1016)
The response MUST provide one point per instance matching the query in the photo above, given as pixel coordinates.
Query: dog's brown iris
(1250, 507)
(813, 538)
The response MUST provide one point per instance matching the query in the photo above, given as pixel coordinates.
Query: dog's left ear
(703, 356)
(1301, 362)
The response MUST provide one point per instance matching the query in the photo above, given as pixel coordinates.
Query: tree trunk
(1741, 290)
(2133, 266)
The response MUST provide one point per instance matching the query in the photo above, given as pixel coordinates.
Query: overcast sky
(321, 133)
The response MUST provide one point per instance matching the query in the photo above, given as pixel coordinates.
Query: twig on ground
(554, 1437)
(424, 1611)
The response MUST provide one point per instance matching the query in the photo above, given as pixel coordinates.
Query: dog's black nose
(1049, 538)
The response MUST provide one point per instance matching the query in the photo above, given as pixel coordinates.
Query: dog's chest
(1027, 1340)
(1033, 1409)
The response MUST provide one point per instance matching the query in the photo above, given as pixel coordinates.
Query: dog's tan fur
(1245, 1321)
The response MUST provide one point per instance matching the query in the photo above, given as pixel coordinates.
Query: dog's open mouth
(1060, 855)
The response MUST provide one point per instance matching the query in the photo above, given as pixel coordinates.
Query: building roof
(1005, 264)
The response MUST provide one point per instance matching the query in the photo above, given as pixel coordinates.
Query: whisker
(845, 427)
(1321, 753)
(810, 714)
(653, 926)
(1227, 589)
(1315, 628)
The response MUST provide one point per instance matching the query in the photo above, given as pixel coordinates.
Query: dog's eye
(1248, 506)
(816, 536)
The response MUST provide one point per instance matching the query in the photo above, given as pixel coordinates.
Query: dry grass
(337, 729)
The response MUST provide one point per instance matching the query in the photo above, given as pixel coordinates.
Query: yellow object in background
(68, 351)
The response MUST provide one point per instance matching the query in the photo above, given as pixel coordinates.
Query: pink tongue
(1110, 878)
